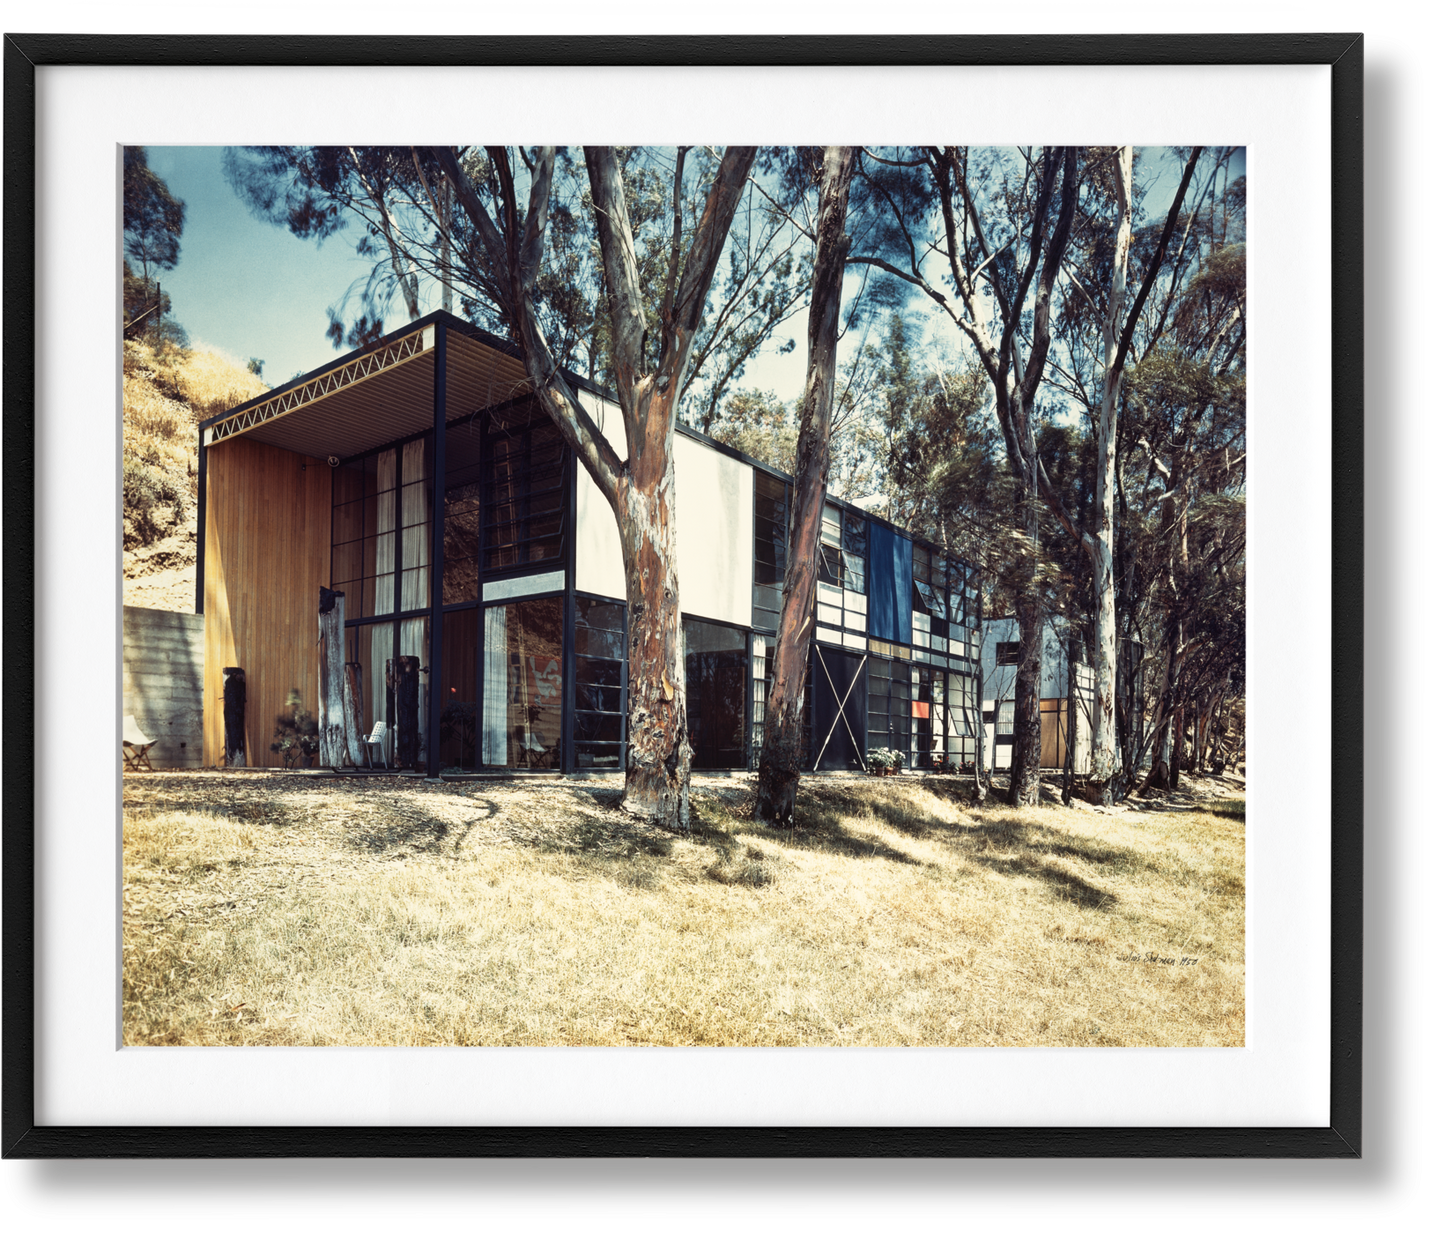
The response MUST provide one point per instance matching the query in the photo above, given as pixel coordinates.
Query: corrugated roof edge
(450, 321)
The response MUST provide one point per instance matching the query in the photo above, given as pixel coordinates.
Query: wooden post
(354, 732)
(233, 695)
(402, 677)
(331, 699)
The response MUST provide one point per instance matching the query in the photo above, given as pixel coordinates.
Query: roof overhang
(379, 394)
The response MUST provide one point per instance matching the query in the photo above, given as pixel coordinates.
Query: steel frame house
(1066, 695)
(420, 479)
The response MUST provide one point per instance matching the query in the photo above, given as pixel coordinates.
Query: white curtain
(385, 596)
(494, 687)
(415, 568)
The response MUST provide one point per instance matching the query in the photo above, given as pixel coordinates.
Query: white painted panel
(830, 615)
(523, 586)
(715, 538)
(855, 601)
(599, 545)
(859, 623)
(831, 635)
(830, 593)
(855, 642)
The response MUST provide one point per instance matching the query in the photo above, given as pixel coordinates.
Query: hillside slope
(167, 392)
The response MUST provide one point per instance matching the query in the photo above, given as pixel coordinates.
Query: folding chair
(134, 745)
(377, 741)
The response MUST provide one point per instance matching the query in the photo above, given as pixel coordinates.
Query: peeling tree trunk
(1168, 695)
(331, 694)
(352, 695)
(1024, 773)
(1177, 748)
(640, 489)
(659, 757)
(1104, 763)
(782, 757)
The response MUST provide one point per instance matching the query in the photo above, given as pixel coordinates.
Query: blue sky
(250, 289)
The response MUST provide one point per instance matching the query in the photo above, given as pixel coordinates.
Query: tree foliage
(152, 220)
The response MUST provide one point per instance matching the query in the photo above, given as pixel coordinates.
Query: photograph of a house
(896, 494)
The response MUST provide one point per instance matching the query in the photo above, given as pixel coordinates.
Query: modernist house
(419, 477)
(1065, 702)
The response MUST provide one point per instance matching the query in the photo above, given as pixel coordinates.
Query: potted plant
(884, 761)
(295, 735)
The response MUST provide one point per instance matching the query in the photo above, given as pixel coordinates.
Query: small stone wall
(162, 669)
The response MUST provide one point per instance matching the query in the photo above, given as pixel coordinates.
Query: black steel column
(569, 619)
(438, 550)
(201, 523)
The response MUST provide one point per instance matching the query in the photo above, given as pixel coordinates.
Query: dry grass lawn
(267, 909)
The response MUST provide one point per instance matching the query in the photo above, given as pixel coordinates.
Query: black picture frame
(153, 1173)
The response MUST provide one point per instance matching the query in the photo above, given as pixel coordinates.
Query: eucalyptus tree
(648, 378)
(656, 271)
(780, 761)
(982, 236)
(152, 220)
(1098, 537)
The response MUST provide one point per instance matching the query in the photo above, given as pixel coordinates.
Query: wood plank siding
(268, 545)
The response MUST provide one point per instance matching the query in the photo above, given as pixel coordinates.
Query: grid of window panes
(1003, 735)
(457, 685)
(764, 647)
(930, 603)
(961, 722)
(927, 716)
(524, 464)
(463, 511)
(770, 548)
(381, 530)
(945, 611)
(363, 533)
(762, 671)
(717, 659)
(415, 522)
(600, 688)
(965, 640)
(842, 613)
(890, 704)
(522, 681)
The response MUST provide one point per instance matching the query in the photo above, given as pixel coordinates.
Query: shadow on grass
(414, 830)
(821, 827)
(1069, 887)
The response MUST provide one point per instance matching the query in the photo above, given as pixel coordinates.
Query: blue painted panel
(890, 585)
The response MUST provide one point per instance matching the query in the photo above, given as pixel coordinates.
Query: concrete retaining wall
(162, 669)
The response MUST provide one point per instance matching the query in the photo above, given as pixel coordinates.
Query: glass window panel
(600, 677)
(459, 568)
(372, 648)
(603, 671)
(458, 688)
(592, 754)
(718, 669)
(597, 726)
(596, 697)
(524, 461)
(522, 684)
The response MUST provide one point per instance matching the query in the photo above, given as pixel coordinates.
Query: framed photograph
(75, 1087)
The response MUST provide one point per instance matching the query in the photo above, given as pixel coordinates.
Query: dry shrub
(167, 391)
(211, 383)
